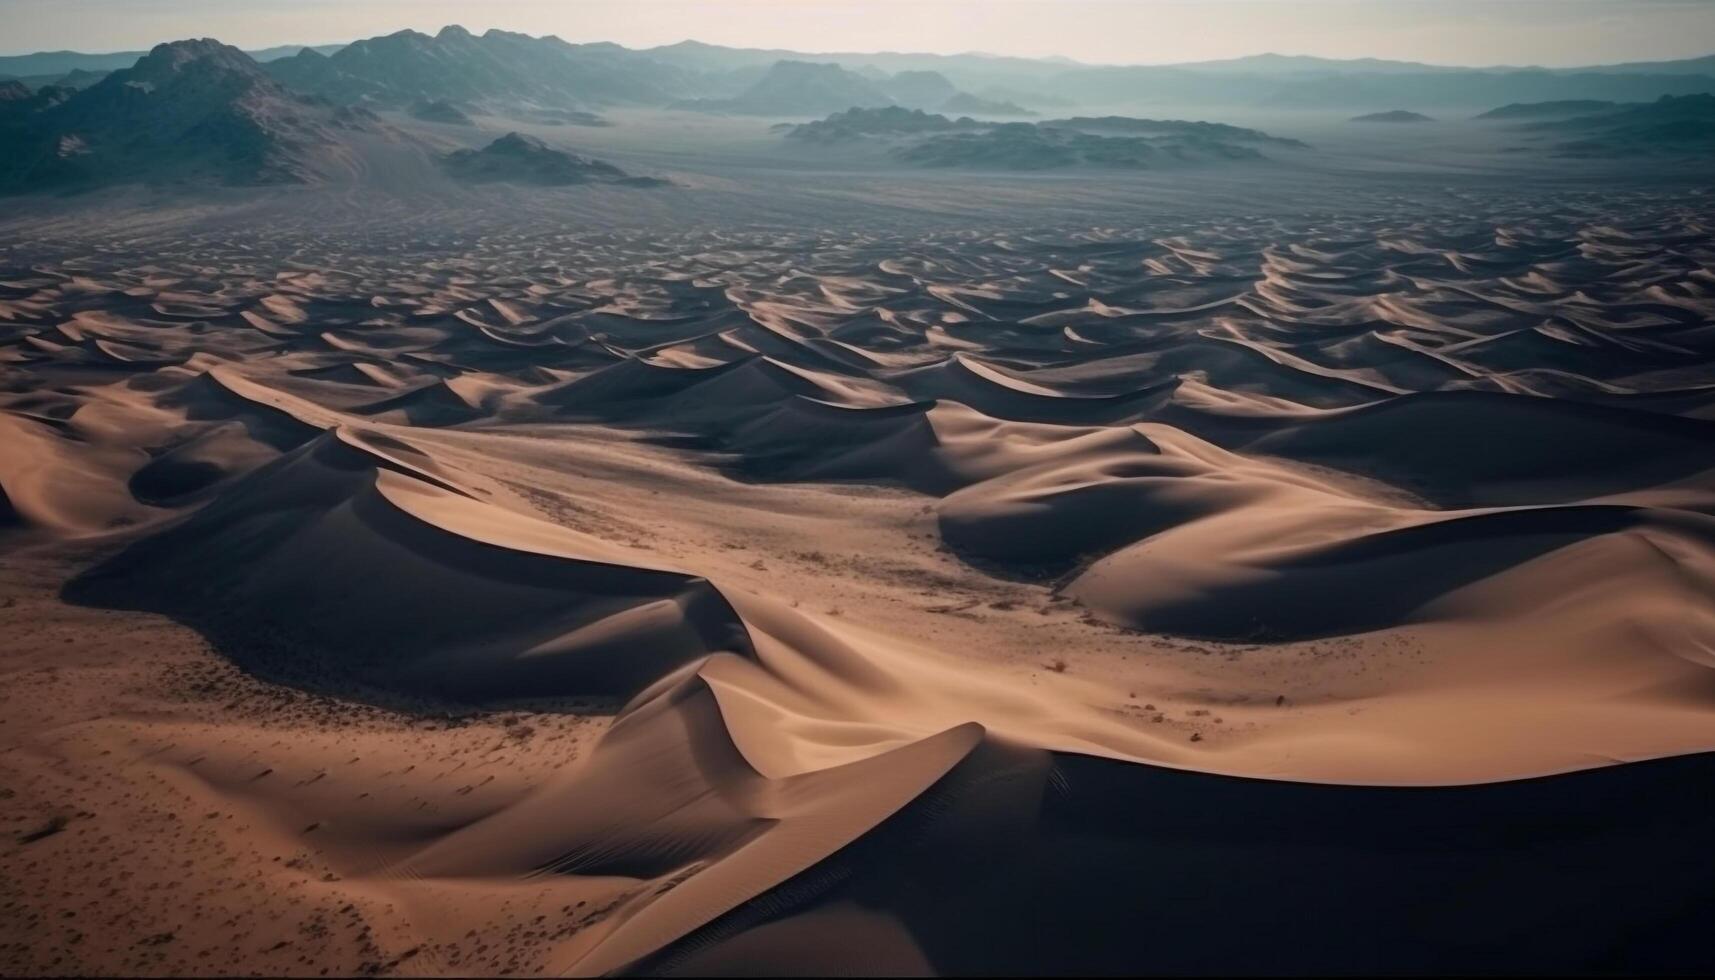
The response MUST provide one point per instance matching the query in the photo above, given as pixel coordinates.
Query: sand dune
(961, 603)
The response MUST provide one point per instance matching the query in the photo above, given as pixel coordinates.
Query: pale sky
(1454, 32)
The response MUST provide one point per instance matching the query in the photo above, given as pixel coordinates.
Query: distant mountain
(75, 79)
(44, 64)
(1295, 64)
(189, 110)
(1358, 91)
(497, 70)
(1686, 66)
(932, 91)
(1283, 64)
(703, 58)
(264, 55)
(977, 73)
(1263, 80)
(968, 71)
(1549, 110)
(1683, 126)
(799, 88)
(519, 159)
(915, 89)
(1393, 116)
(78, 78)
(1027, 98)
(966, 104)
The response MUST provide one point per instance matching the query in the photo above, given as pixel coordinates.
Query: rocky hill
(1561, 109)
(519, 159)
(188, 110)
(1669, 126)
(931, 139)
(1393, 116)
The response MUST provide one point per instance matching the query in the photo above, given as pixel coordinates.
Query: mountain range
(499, 68)
(45, 64)
(495, 68)
(201, 110)
(198, 111)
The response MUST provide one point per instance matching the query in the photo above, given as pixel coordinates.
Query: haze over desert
(477, 504)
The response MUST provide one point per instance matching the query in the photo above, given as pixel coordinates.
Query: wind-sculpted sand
(1273, 594)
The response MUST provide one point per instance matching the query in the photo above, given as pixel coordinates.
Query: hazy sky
(1481, 32)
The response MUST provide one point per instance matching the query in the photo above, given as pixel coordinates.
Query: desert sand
(1269, 570)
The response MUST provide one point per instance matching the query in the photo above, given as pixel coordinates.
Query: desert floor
(1305, 571)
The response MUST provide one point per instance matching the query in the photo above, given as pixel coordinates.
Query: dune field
(1229, 588)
